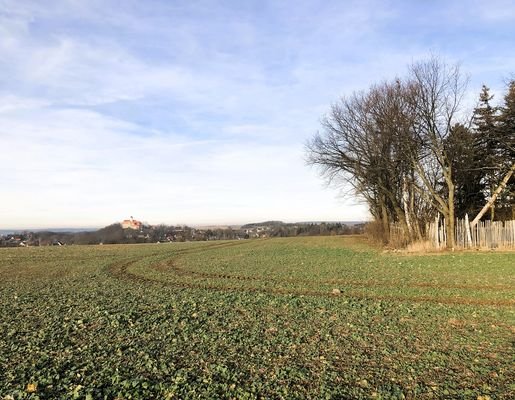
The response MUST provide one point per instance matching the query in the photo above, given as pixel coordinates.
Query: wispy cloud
(78, 165)
(197, 112)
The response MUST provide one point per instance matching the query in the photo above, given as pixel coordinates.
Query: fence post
(467, 228)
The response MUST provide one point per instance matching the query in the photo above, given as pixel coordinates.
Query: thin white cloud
(85, 167)
(194, 112)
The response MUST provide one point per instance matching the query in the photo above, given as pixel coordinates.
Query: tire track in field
(170, 265)
(121, 271)
(124, 274)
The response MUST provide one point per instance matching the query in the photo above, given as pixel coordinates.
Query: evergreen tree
(486, 147)
(506, 149)
(469, 188)
(506, 125)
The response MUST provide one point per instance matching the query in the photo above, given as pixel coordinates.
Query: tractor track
(170, 265)
(120, 270)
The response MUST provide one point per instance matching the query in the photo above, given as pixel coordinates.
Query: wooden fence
(485, 235)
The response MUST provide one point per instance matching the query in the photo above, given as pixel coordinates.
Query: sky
(198, 112)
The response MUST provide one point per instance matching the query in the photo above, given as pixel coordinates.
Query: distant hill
(266, 223)
(348, 223)
(281, 223)
(115, 233)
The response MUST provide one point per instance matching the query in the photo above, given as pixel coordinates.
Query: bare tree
(393, 145)
(364, 141)
(436, 91)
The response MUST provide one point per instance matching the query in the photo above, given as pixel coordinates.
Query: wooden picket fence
(485, 235)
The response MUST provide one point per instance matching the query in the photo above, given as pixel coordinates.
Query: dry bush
(375, 232)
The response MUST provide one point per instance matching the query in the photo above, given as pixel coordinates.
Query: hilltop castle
(131, 224)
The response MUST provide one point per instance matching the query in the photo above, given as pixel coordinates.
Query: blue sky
(197, 112)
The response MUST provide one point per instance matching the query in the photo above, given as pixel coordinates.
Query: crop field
(255, 319)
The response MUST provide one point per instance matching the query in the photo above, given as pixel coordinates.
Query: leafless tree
(365, 140)
(436, 91)
(391, 144)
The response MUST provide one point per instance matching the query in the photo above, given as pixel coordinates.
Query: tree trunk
(492, 207)
(402, 219)
(386, 222)
(449, 223)
(489, 203)
(405, 201)
(416, 221)
(467, 228)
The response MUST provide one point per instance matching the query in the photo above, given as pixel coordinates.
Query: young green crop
(254, 319)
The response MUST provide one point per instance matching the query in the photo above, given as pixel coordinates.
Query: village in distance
(135, 231)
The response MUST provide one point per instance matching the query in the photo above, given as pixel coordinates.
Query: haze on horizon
(197, 112)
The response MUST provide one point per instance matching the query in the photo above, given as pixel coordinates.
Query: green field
(255, 319)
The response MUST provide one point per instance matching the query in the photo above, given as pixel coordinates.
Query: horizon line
(196, 225)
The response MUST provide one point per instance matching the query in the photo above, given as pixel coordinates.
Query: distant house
(132, 224)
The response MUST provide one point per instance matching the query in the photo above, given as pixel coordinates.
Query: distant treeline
(115, 234)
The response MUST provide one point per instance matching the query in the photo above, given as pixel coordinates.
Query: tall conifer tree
(486, 144)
